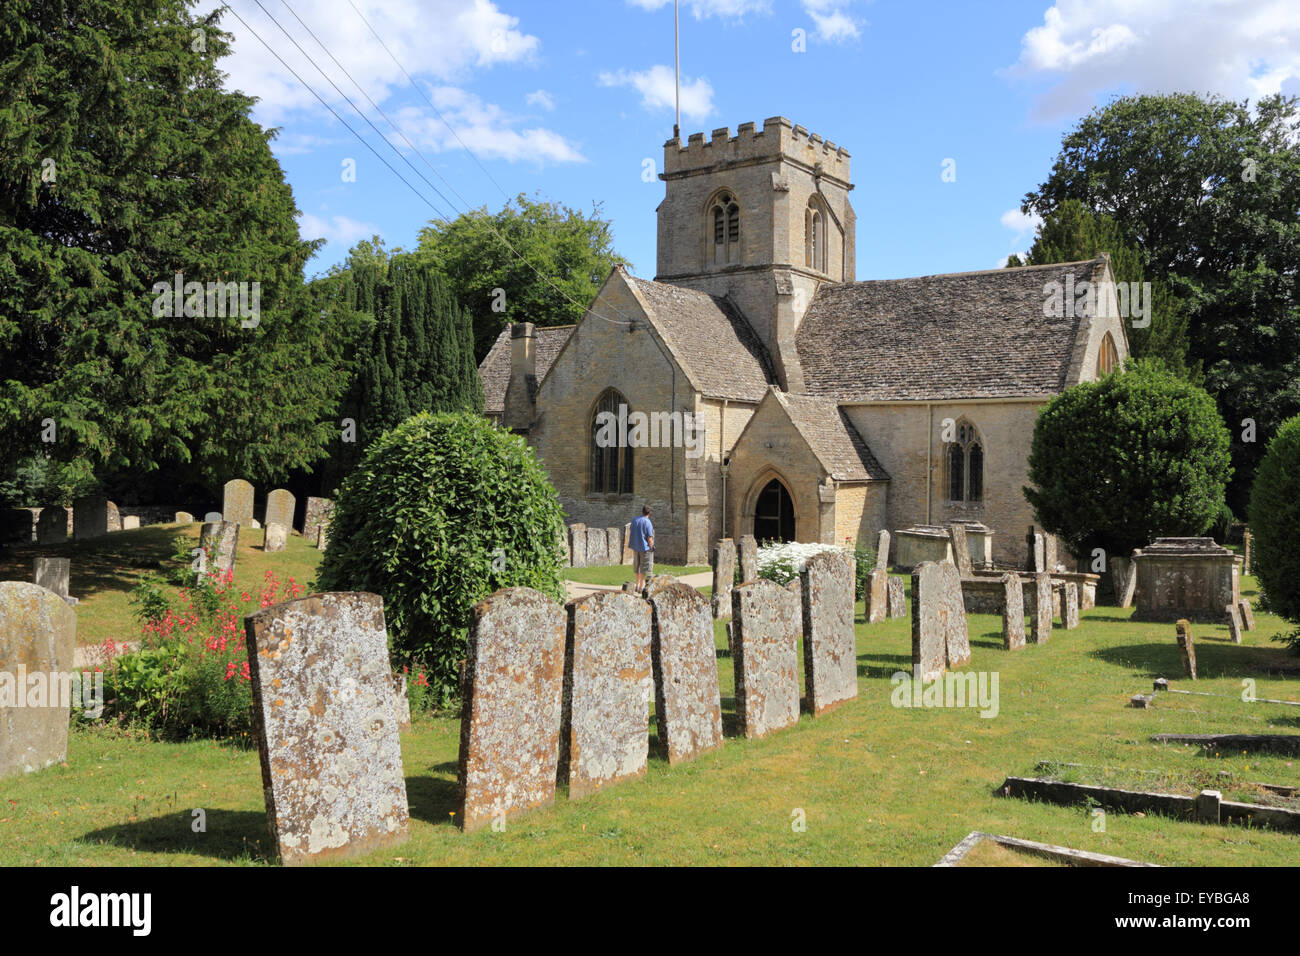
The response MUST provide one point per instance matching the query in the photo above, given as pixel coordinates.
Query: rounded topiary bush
(442, 511)
(1274, 516)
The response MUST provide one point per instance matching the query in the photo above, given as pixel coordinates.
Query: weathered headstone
(766, 656)
(130, 522)
(1013, 612)
(1049, 553)
(1040, 554)
(327, 726)
(275, 537)
(219, 539)
(597, 548)
(113, 517)
(1187, 648)
(897, 598)
(1030, 550)
(323, 536)
(877, 596)
(183, 517)
(52, 526)
(578, 545)
(237, 501)
(960, 549)
(1246, 551)
(280, 505)
(1123, 573)
(929, 628)
(829, 646)
(1042, 607)
(512, 689)
(38, 637)
(89, 517)
(402, 703)
(53, 574)
(614, 537)
(1234, 623)
(629, 556)
(212, 517)
(1247, 615)
(606, 726)
(882, 550)
(319, 511)
(748, 559)
(956, 637)
(1070, 606)
(724, 576)
(795, 587)
(254, 523)
(688, 706)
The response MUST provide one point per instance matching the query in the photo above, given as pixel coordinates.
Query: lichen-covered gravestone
(52, 526)
(897, 598)
(53, 574)
(748, 559)
(877, 596)
(112, 517)
(319, 511)
(323, 535)
(767, 620)
(511, 703)
(882, 551)
(183, 517)
(237, 501)
(1247, 615)
(327, 726)
(280, 505)
(89, 517)
(1234, 622)
(929, 651)
(1013, 612)
(1042, 607)
(614, 537)
(1187, 648)
(956, 638)
(577, 545)
(724, 577)
(1070, 606)
(960, 549)
(628, 555)
(829, 648)
(605, 733)
(688, 705)
(38, 637)
(274, 537)
(1039, 556)
(219, 539)
(597, 548)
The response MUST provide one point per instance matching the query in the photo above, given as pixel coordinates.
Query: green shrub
(1274, 516)
(442, 511)
(1222, 527)
(865, 559)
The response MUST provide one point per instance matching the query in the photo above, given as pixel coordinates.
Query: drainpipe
(929, 466)
(722, 460)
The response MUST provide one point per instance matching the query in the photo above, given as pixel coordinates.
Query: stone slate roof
(942, 337)
(832, 437)
(710, 339)
(494, 370)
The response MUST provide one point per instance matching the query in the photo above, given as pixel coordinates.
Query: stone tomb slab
(327, 727)
(1013, 612)
(512, 691)
(724, 577)
(280, 505)
(767, 620)
(748, 555)
(38, 635)
(237, 501)
(897, 597)
(829, 646)
(688, 704)
(605, 735)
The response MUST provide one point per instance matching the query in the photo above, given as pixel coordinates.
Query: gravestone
(212, 517)
(605, 731)
(748, 555)
(512, 689)
(1070, 606)
(897, 598)
(882, 551)
(929, 624)
(566, 553)
(275, 537)
(795, 587)
(254, 523)
(1040, 555)
(960, 549)
(1030, 550)
(766, 656)
(614, 537)
(130, 522)
(237, 501)
(89, 517)
(402, 703)
(1049, 553)
(280, 505)
(629, 556)
(597, 548)
(688, 706)
(829, 647)
(1246, 551)
(319, 511)
(956, 638)
(327, 726)
(1124, 578)
(183, 517)
(113, 517)
(1187, 648)
(53, 574)
(219, 539)
(1247, 615)
(52, 526)
(877, 596)
(1234, 623)
(578, 545)
(1042, 608)
(1013, 612)
(38, 636)
(323, 535)
(724, 577)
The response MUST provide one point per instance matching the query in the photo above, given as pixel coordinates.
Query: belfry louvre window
(966, 465)
(611, 462)
(814, 240)
(724, 214)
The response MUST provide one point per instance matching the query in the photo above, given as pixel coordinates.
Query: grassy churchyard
(870, 782)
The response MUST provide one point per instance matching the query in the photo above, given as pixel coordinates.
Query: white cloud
(700, 9)
(832, 19)
(339, 230)
(657, 90)
(1021, 223)
(485, 128)
(540, 98)
(1235, 48)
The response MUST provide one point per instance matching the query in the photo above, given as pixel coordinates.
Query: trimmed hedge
(1274, 516)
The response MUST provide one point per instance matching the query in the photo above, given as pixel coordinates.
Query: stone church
(825, 409)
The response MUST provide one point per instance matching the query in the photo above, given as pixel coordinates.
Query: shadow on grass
(883, 666)
(433, 799)
(230, 835)
(108, 563)
(1214, 658)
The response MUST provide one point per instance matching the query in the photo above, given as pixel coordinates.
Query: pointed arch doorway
(774, 513)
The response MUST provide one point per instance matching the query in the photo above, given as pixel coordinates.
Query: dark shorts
(643, 562)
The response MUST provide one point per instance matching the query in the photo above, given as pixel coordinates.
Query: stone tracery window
(966, 465)
(724, 229)
(814, 238)
(611, 462)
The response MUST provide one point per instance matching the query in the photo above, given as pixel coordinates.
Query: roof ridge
(1013, 270)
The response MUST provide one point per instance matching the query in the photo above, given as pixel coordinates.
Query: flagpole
(677, 74)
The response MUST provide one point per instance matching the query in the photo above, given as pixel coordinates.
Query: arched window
(814, 239)
(966, 465)
(724, 229)
(1107, 356)
(611, 455)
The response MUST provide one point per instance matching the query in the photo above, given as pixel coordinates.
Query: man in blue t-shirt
(641, 539)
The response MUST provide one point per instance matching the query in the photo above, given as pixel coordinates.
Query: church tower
(762, 218)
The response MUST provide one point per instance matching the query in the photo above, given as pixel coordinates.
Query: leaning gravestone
(38, 635)
(1070, 606)
(830, 662)
(89, 517)
(327, 726)
(275, 536)
(280, 505)
(956, 638)
(1247, 615)
(1187, 648)
(766, 656)
(688, 711)
(578, 545)
(1234, 623)
(53, 574)
(929, 624)
(748, 559)
(512, 689)
(882, 551)
(323, 536)
(1013, 612)
(319, 511)
(237, 501)
(960, 549)
(113, 517)
(605, 733)
(897, 598)
(724, 576)
(597, 548)
(52, 526)
(1042, 607)
(877, 596)
(219, 539)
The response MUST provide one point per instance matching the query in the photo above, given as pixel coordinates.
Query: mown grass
(617, 574)
(875, 784)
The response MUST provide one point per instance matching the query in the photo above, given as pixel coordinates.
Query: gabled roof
(831, 436)
(942, 337)
(709, 338)
(494, 370)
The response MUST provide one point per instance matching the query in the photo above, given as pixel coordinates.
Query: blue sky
(568, 98)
